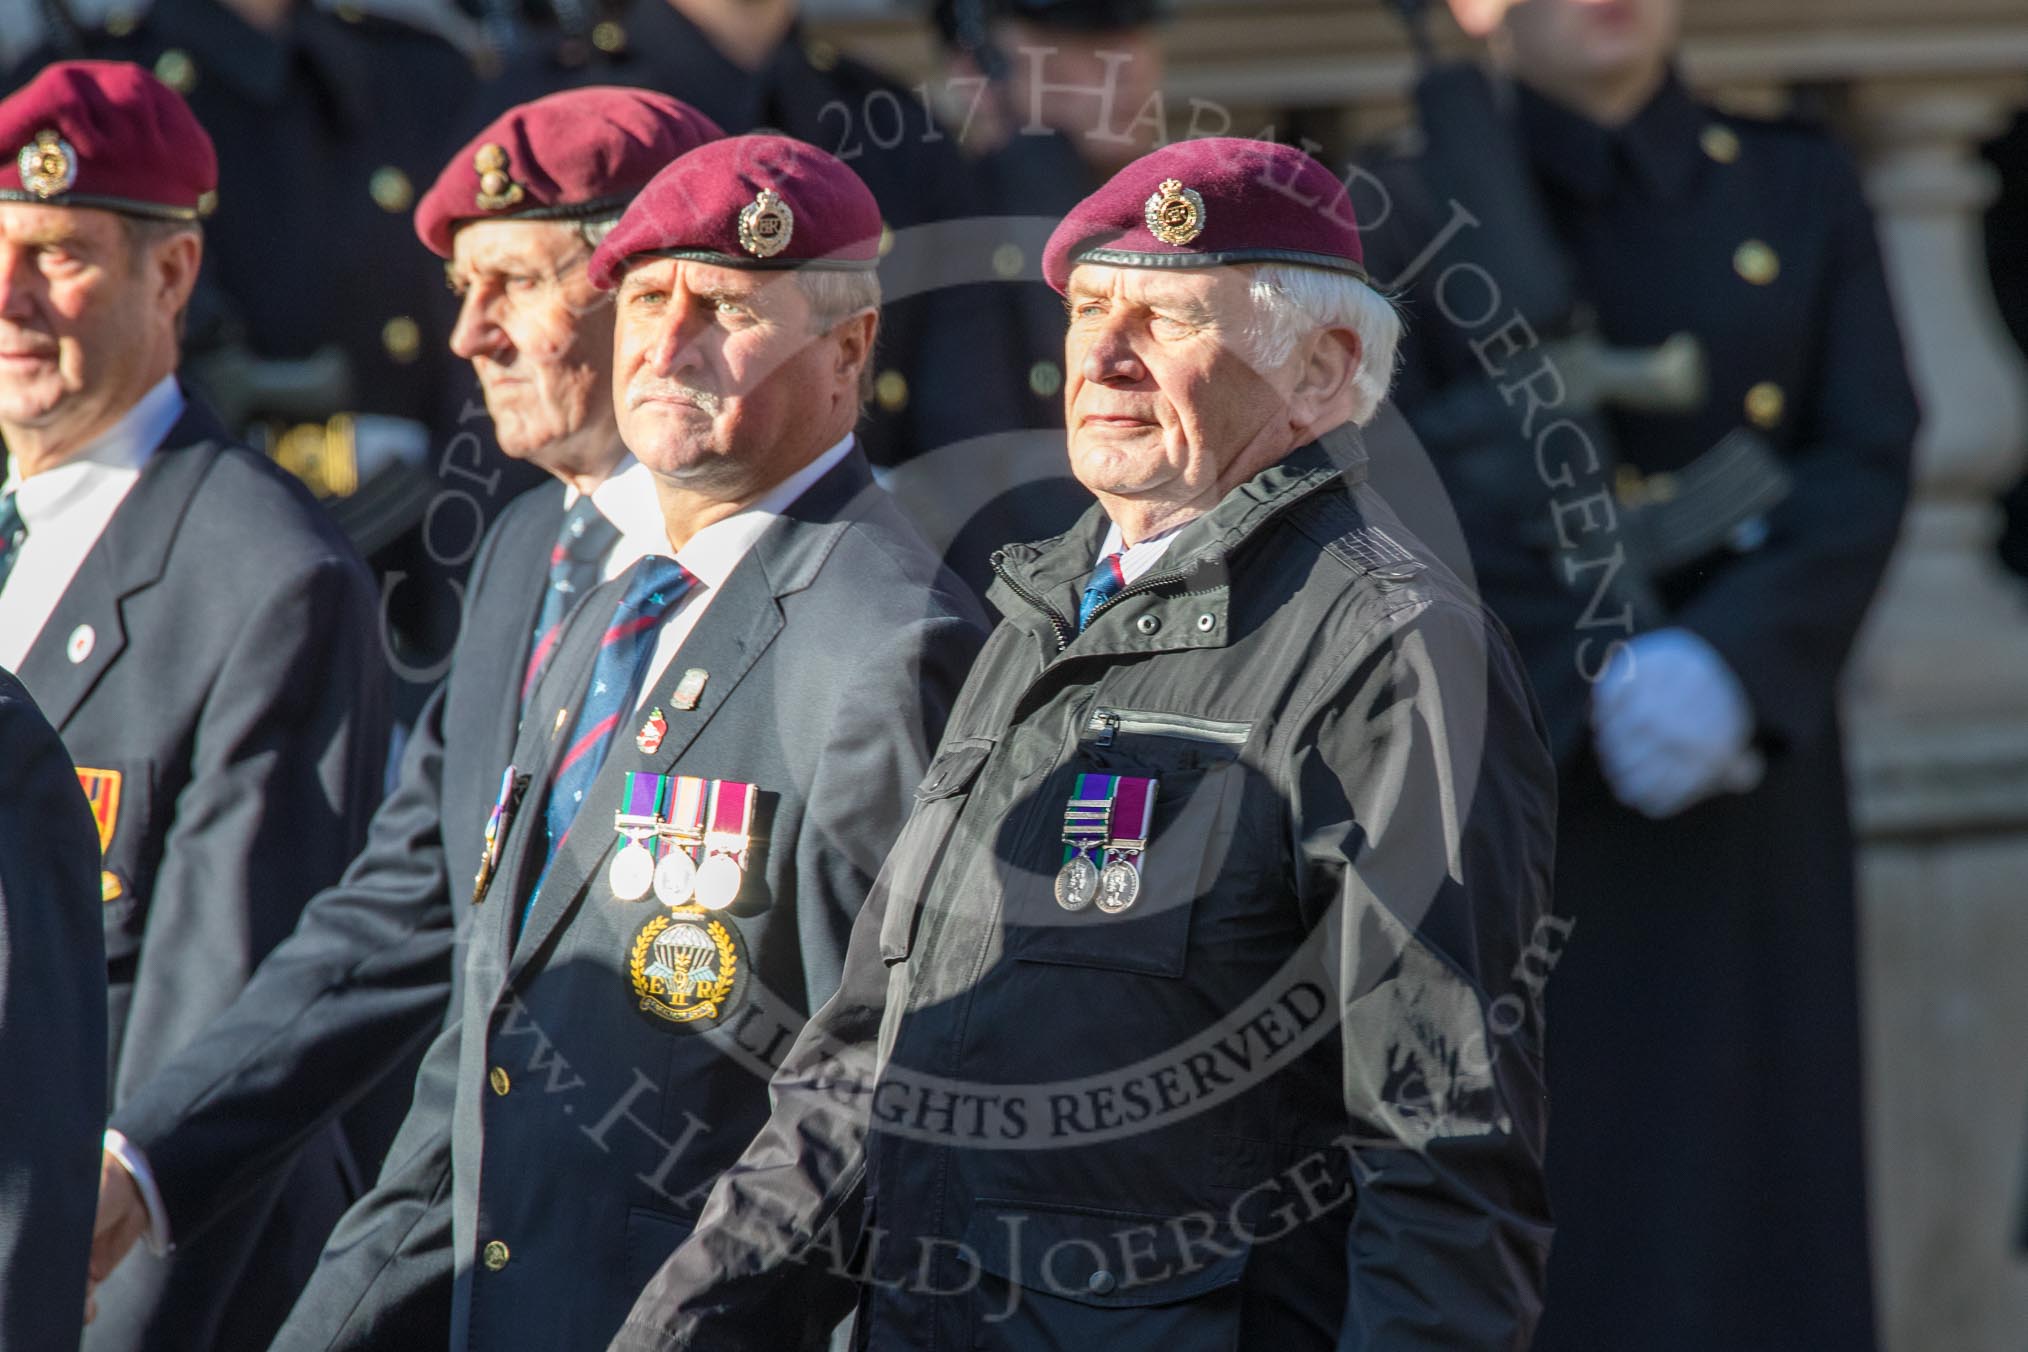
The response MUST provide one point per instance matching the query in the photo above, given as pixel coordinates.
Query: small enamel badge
(48, 165)
(690, 689)
(1175, 214)
(687, 967)
(497, 191)
(82, 640)
(766, 224)
(649, 738)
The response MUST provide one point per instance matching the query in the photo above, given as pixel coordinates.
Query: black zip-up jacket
(1290, 1098)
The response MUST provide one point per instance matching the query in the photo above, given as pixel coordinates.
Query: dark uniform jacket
(212, 667)
(569, 1131)
(945, 367)
(367, 977)
(1292, 1097)
(1713, 963)
(52, 1032)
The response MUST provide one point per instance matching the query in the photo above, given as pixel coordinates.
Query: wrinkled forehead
(768, 288)
(510, 246)
(35, 223)
(1214, 289)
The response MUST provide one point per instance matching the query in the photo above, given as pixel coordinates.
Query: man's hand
(1672, 724)
(122, 1219)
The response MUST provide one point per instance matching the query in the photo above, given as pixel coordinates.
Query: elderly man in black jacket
(1195, 1008)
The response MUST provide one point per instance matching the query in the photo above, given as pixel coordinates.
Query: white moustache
(640, 391)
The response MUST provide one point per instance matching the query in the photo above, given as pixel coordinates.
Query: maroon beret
(567, 157)
(749, 202)
(106, 134)
(1210, 202)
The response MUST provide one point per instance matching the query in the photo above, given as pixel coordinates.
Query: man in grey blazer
(196, 630)
(367, 977)
(749, 715)
(52, 1029)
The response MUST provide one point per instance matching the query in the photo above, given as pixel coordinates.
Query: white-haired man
(1190, 1010)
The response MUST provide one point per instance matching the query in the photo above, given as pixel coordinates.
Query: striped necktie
(581, 547)
(655, 585)
(13, 530)
(1106, 581)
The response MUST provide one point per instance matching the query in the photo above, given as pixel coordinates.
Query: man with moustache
(1705, 1056)
(194, 627)
(369, 974)
(706, 781)
(1216, 889)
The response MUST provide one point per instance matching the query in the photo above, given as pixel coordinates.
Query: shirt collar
(1658, 145)
(117, 454)
(715, 551)
(1143, 556)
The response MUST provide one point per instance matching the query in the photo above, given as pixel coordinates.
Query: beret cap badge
(497, 191)
(48, 165)
(766, 224)
(1175, 214)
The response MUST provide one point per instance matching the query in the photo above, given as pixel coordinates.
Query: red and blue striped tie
(655, 585)
(1106, 581)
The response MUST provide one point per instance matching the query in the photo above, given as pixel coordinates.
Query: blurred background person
(327, 123)
(192, 624)
(1686, 583)
(52, 1028)
(944, 370)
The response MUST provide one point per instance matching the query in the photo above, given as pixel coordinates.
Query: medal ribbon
(1087, 821)
(645, 796)
(731, 817)
(1133, 811)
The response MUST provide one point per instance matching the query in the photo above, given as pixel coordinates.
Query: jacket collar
(1056, 570)
(129, 557)
(1657, 147)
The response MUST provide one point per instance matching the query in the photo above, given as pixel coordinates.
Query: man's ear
(855, 336)
(1330, 361)
(175, 262)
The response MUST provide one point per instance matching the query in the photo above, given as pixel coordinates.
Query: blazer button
(1148, 624)
(494, 1256)
(1102, 1283)
(497, 1077)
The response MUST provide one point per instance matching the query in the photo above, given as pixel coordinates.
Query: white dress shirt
(67, 507)
(1141, 557)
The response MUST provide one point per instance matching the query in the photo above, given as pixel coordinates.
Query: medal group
(1105, 830)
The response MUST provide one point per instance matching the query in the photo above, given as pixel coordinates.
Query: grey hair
(837, 296)
(143, 233)
(1291, 302)
(594, 232)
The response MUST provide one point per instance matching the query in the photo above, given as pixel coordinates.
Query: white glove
(1672, 724)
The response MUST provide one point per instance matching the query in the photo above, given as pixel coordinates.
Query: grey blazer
(570, 1131)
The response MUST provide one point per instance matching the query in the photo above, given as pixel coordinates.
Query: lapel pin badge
(690, 689)
(82, 640)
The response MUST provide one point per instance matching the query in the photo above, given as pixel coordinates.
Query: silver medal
(1118, 886)
(633, 871)
(1076, 883)
(718, 882)
(675, 877)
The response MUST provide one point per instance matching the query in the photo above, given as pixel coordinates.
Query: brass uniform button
(494, 1255)
(1756, 262)
(1765, 404)
(609, 38)
(175, 69)
(497, 1077)
(822, 54)
(886, 244)
(1720, 142)
(891, 390)
(391, 190)
(1045, 379)
(1007, 260)
(402, 338)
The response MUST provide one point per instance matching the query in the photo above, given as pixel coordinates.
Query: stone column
(1938, 716)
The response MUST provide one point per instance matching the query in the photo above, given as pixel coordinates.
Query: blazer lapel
(522, 563)
(743, 620)
(741, 624)
(88, 628)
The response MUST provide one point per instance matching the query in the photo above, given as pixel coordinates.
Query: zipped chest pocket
(1180, 773)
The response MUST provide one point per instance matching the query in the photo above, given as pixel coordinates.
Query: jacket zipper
(1106, 724)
